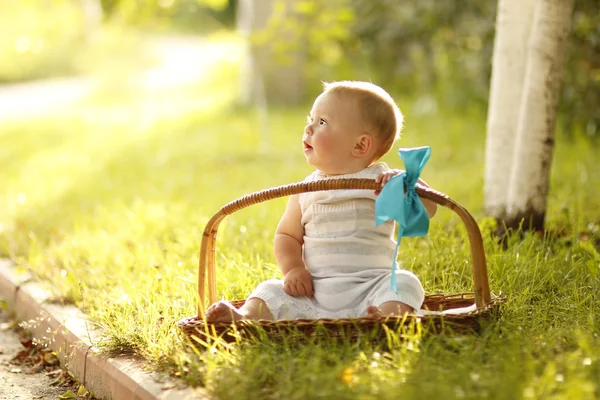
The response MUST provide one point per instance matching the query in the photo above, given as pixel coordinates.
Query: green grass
(109, 210)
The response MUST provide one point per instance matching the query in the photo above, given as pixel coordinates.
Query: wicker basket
(348, 328)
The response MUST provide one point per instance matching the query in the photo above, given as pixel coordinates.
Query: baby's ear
(363, 146)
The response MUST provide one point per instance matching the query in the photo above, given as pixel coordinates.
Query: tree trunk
(530, 174)
(513, 23)
(264, 73)
(92, 17)
(522, 115)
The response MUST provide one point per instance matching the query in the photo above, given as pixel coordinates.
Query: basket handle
(206, 267)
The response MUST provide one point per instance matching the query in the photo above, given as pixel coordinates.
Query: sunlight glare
(587, 361)
(23, 44)
(21, 198)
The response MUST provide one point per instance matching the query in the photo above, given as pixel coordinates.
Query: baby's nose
(308, 129)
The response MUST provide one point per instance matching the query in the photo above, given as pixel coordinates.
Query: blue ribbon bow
(408, 209)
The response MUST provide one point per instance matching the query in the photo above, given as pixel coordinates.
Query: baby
(335, 262)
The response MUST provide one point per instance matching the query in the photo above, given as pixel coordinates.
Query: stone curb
(64, 329)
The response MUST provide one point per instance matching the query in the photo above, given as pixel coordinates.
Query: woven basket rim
(193, 322)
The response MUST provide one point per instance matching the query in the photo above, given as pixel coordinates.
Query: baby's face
(334, 126)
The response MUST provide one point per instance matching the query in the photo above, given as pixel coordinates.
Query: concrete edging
(64, 329)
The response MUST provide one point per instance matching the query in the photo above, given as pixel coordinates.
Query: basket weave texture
(348, 328)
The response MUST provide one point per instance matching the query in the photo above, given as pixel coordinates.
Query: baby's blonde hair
(378, 110)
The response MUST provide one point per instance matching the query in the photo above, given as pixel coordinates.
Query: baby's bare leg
(256, 308)
(224, 311)
(389, 309)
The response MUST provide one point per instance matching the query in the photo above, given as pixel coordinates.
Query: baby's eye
(322, 121)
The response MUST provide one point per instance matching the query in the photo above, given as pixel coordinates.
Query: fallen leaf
(82, 391)
(50, 358)
(22, 355)
(67, 395)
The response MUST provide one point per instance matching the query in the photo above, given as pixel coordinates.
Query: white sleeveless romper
(350, 259)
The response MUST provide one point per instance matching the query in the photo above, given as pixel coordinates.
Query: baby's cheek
(324, 145)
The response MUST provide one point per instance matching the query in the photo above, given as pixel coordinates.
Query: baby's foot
(222, 312)
(374, 312)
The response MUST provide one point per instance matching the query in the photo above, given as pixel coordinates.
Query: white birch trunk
(253, 16)
(263, 74)
(530, 174)
(92, 17)
(513, 27)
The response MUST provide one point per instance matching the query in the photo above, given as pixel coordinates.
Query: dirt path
(19, 101)
(22, 375)
(183, 60)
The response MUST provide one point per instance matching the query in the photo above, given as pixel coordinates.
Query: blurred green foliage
(580, 100)
(195, 16)
(438, 52)
(36, 43)
(429, 46)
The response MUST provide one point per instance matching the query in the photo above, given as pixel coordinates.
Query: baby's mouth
(307, 146)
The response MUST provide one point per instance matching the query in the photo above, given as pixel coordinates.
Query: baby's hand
(298, 282)
(384, 177)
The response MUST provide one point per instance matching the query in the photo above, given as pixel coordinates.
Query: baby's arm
(384, 177)
(289, 238)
